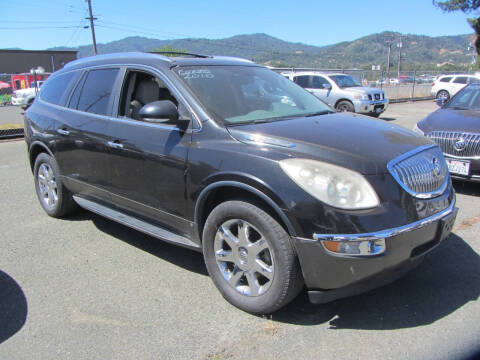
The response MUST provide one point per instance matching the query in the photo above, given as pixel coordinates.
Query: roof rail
(179, 53)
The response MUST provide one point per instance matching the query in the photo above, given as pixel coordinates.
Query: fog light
(367, 247)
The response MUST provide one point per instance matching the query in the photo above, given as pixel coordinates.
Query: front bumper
(331, 276)
(474, 165)
(370, 106)
(18, 101)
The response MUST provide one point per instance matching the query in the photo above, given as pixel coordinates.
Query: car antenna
(178, 53)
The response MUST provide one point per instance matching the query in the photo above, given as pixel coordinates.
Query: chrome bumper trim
(383, 234)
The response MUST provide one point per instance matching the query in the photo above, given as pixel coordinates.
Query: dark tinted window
(318, 82)
(97, 90)
(54, 90)
(302, 80)
(76, 94)
(446, 79)
(460, 80)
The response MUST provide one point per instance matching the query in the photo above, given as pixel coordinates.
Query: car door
(83, 152)
(148, 161)
(322, 88)
(457, 84)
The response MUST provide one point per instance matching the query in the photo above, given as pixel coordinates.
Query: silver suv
(342, 92)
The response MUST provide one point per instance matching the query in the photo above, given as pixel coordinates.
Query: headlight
(417, 130)
(360, 97)
(331, 184)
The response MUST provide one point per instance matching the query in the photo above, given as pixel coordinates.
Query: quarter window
(55, 89)
(97, 91)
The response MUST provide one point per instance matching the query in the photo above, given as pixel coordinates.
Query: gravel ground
(88, 288)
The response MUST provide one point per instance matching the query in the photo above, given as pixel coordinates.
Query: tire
(443, 94)
(345, 105)
(55, 199)
(263, 281)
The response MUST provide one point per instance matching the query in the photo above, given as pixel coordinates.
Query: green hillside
(419, 51)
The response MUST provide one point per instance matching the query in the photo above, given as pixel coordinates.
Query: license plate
(459, 167)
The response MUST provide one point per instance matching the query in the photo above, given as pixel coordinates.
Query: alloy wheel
(244, 257)
(47, 186)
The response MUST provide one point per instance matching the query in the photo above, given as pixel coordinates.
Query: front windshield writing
(243, 94)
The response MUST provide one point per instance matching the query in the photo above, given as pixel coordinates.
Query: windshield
(246, 94)
(344, 81)
(467, 99)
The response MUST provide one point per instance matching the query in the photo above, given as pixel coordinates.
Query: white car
(448, 85)
(25, 97)
(341, 92)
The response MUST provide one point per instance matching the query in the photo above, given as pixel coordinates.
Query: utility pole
(399, 46)
(91, 18)
(388, 58)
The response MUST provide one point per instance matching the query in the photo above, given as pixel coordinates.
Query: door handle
(115, 145)
(63, 132)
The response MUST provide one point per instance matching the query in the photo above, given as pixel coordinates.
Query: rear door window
(302, 80)
(460, 80)
(96, 93)
(318, 82)
(446, 79)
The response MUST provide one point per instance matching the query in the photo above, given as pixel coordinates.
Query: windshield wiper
(261, 121)
(458, 108)
(324, 112)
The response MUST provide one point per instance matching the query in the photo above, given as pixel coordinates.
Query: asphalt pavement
(88, 288)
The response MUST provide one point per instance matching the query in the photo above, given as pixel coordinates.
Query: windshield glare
(344, 81)
(466, 99)
(245, 94)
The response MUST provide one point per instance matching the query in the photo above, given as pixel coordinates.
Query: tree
(170, 51)
(467, 6)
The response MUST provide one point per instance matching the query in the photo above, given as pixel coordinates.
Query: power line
(36, 27)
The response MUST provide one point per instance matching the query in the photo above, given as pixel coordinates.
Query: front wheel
(250, 258)
(345, 105)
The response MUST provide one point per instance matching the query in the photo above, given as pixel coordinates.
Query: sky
(41, 24)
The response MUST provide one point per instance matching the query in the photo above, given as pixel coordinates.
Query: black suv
(229, 158)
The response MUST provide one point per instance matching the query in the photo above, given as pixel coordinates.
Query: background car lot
(86, 287)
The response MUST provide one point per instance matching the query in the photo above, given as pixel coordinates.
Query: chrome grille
(470, 143)
(422, 172)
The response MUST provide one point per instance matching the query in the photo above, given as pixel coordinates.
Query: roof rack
(179, 53)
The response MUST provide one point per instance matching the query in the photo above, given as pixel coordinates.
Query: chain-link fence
(16, 93)
(406, 85)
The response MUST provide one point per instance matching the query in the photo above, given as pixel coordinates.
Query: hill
(419, 51)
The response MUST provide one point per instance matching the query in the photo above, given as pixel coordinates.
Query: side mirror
(327, 86)
(159, 112)
(441, 101)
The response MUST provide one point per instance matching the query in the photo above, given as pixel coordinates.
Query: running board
(137, 224)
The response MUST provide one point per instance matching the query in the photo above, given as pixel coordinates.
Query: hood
(25, 91)
(362, 90)
(451, 120)
(356, 142)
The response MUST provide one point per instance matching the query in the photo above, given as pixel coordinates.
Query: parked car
(394, 81)
(341, 92)
(455, 127)
(229, 158)
(448, 85)
(25, 97)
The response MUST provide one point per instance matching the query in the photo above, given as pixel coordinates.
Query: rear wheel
(55, 199)
(443, 94)
(250, 258)
(345, 105)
